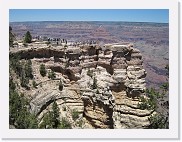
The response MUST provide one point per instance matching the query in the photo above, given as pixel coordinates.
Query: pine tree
(94, 86)
(42, 70)
(55, 118)
(24, 81)
(14, 106)
(28, 37)
(11, 37)
(51, 119)
(65, 124)
(28, 69)
(60, 85)
(19, 115)
(51, 74)
(47, 121)
(12, 85)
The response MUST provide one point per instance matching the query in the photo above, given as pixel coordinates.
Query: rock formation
(103, 83)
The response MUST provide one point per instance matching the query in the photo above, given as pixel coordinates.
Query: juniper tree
(94, 86)
(55, 117)
(42, 70)
(28, 37)
(11, 37)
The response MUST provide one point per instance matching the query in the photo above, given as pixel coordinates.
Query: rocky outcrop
(120, 78)
(109, 80)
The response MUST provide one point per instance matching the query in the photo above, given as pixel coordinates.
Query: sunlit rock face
(103, 82)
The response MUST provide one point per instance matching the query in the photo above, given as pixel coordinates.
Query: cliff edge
(102, 83)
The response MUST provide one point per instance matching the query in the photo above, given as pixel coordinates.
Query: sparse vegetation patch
(42, 70)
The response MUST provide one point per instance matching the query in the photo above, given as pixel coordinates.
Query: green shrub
(28, 69)
(94, 86)
(28, 37)
(12, 85)
(19, 115)
(60, 85)
(46, 121)
(22, 69)
(158, 121)
(55, 117)
(34, 84)
(11, 37)
(15, 64)
(51, 119)
(151, 102)
(75, 114)
(51, 74)
(80, 123)
(165, 86)
(24, 81)
(147, 103)
(42, 70)
(65, 124)
(167, 68)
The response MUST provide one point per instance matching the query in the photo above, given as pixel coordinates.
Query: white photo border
(171, 133)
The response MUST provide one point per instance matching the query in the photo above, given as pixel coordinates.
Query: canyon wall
(103, 83)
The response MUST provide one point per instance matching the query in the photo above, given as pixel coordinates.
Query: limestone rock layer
(103, 82)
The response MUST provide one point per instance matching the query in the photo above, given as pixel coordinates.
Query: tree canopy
(51, 119)
(11, 37)
(19, 115)
(28, 37)
(42, 70)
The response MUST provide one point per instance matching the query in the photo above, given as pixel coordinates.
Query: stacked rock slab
(117, 71)
(120, 81)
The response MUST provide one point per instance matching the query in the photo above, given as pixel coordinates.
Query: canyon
(102, 82)
(152, 39)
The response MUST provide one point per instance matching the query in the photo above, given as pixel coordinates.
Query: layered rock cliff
(103, 83)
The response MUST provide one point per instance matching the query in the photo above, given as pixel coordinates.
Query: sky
(128, 15)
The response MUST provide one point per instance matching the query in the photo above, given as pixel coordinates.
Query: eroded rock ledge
(117, 71)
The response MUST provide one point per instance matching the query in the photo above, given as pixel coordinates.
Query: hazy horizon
(88, 21)
(115, 15)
